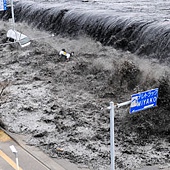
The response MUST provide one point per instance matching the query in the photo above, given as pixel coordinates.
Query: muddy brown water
(62, 106)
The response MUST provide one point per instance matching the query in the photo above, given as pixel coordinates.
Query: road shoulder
(51, 163)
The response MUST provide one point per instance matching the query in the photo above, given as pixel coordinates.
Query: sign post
(112, 144)
(12, 11)
(139, 101)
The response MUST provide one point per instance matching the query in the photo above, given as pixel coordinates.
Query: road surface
(29, 157)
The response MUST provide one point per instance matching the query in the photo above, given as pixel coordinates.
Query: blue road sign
(3, 5)
(143, 100)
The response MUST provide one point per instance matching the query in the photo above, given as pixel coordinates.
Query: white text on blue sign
(143, 100)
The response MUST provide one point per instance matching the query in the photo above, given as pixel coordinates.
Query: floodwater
(141, 27)
(121, 48)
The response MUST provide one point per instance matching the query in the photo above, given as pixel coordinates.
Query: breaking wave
(139, 35)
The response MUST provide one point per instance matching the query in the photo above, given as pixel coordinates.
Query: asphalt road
(27, 157)
(20, 160)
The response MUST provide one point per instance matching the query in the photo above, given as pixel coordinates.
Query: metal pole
(17, 161)
(123, 104)
(13, 149)
(112, 145)
(12, 12)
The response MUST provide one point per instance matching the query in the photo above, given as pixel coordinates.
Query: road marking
(4, 137)
(9, 160)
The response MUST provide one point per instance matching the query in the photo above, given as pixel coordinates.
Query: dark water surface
(61, 105)
(142, 27)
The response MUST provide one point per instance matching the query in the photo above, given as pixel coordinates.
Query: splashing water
(141, 27)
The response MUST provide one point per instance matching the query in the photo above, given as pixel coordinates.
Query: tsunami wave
(140, 35)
